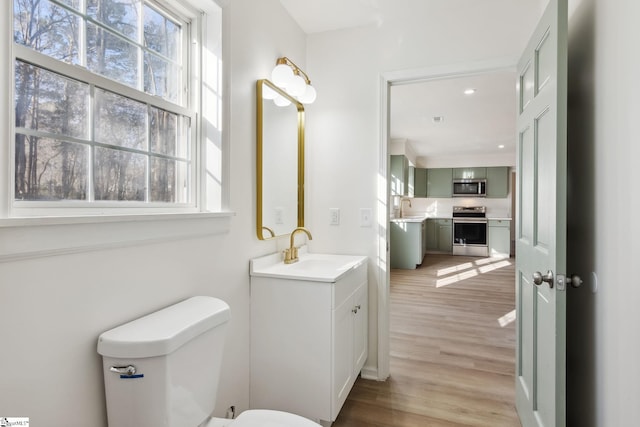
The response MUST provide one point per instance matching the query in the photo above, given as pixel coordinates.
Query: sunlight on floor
(456, 278)
(510, 317)
(467, 270)
(495, 266)
(489, 260)
(455, 268)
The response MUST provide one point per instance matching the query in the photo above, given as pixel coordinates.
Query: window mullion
(92, 137)
(148, 169)
(141, 87)
(82, 35)
(82, 56)
(140, 46)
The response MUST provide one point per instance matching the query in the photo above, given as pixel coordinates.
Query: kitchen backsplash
(442, 208)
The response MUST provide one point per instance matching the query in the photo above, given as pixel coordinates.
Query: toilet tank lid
(164, 331)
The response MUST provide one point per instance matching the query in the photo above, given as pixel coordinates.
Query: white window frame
(194, 40)
(35, 234)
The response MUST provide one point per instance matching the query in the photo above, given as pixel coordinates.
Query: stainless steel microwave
(469, 188)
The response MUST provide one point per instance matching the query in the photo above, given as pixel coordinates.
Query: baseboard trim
(370, 373)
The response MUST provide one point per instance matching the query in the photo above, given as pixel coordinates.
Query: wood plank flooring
(452, 337)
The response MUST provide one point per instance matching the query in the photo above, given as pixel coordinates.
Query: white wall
(343, 132)
(462, 161)
(603, 345)
(53, 308)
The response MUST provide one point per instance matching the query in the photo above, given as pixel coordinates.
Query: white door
(541, 222)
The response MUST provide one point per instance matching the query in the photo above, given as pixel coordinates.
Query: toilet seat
(270, 418)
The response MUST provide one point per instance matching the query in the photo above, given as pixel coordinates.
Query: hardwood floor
(452, 349)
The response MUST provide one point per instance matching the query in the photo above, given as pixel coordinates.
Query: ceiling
(473, 124)
(315, 16)
(476, 124)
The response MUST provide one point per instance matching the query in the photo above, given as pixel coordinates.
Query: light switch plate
(334, 216)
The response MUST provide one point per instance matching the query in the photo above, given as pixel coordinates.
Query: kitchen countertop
(409, 219)
(422, 218)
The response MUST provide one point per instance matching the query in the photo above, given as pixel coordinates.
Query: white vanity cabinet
(308, 340)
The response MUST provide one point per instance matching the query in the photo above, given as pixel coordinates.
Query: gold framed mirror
(279, 161)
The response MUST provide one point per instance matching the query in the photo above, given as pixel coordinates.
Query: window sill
(25, 238)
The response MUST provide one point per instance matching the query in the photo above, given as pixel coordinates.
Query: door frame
(387, 80)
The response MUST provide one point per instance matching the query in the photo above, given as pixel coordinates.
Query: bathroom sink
(310, 267)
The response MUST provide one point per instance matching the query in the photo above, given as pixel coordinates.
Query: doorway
(387, 82)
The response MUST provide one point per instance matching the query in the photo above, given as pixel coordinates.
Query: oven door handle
(469, 221)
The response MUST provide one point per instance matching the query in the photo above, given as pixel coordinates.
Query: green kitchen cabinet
(399, 175)
(439, 235)
(498, 182)
(411, 183)
(420, 183)
(469, 173)
(445, 235)
(431, 235)
(499, 237)
(407, 243)
(439, 182)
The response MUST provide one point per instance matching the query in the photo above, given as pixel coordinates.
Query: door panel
(526, 163)
(541, 222)
(527, 84)
(545, 153)
(544, 62)
(525, 334)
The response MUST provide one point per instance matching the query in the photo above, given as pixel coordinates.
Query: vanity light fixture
(293, 80)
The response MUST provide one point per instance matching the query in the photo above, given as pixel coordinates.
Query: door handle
(538, 278)
(574, 280)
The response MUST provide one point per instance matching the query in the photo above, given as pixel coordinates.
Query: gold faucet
(291, 253)
(401, 210)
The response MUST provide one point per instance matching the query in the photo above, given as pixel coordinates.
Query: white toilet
(162, 370)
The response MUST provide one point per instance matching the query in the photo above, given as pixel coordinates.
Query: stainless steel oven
(470, 231)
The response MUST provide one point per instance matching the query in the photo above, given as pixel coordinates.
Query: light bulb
(268, 93)
(308, 96)
(282, 75)
(296, 86)
(281, 101)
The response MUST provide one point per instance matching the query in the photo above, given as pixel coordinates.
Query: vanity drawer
(347, 285)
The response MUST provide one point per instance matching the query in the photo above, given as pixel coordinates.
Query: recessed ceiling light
(438, 119)
(501, 146)
(469, 91)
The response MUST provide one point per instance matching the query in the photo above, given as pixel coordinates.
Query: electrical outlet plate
(334, 216)
(366, 217)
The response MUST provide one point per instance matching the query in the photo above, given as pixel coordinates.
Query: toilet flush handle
(123, 370)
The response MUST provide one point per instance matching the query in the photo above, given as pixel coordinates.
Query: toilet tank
(175, 355)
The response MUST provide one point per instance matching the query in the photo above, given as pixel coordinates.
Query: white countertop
(422, 218)
(310, 267)
(409, 219)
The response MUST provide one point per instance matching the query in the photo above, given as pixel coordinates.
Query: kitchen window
(106, 99)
